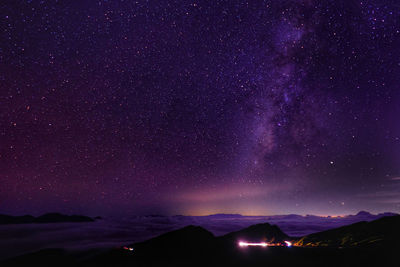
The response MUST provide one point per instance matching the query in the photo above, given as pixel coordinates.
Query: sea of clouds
(108, 233)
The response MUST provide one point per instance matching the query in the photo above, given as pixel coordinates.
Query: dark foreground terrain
(363, 244)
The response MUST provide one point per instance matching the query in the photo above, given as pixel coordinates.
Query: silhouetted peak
(363, 213)
(187, 238)
(258, 232)
(57, 217)
(190, 232)
(193, 229)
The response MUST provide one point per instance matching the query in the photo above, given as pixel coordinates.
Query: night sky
(199, 107)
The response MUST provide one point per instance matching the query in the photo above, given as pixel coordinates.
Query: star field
(199, 107)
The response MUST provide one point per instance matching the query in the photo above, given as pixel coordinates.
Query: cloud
(109, 233)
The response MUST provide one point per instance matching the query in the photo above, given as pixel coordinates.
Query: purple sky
(199, 107)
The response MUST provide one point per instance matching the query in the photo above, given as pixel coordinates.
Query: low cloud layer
(114, 232)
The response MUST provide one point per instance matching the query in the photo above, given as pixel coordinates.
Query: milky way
(199, 107)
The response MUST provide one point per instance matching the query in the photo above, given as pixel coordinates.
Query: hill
(380, 232)
(361, 244)
(263, 232)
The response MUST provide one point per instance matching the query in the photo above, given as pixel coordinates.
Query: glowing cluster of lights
(245, 244)
(128, 248)
(262, 244)
(289, 244)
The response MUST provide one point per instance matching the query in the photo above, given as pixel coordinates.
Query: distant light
(245, 244)
(128, 248)
(289, 244)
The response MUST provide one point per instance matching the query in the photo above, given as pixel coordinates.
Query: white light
(289, 244)
(245, 244)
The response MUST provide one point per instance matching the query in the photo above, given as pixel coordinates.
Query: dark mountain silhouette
(186, 239)
(45, 257)
(363, 213)
(196, 246)
(7, 219)
(57, 217)
(191, 242)
(46, 218)
(367, 216)
(257, 233)
(386, 214)
(380, 232)
(361, 244)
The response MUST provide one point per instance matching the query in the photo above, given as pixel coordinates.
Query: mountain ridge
(195, 246)
(363, 233)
